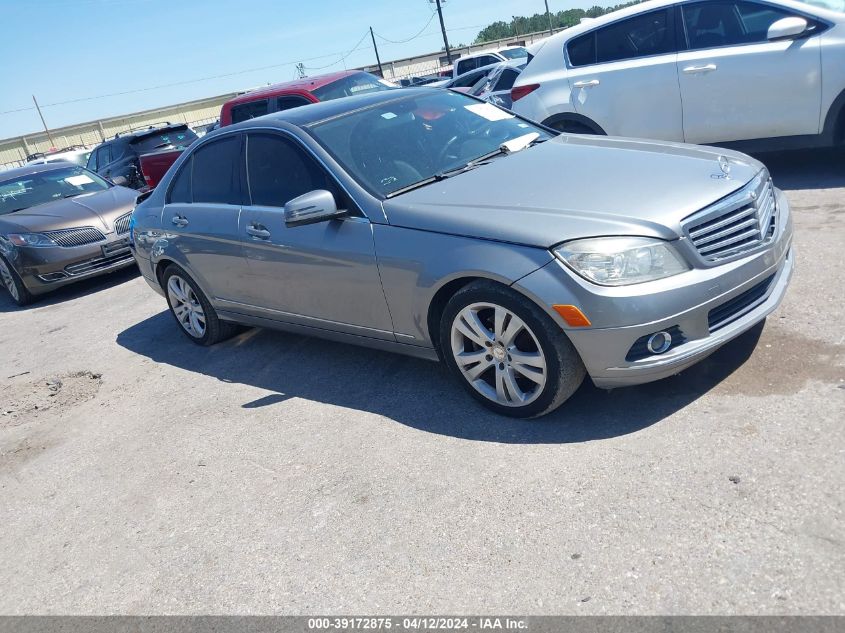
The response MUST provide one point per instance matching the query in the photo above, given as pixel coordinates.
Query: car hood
(576, 186)
(99, 210)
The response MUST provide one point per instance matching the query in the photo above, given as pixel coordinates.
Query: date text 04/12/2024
(417, 623)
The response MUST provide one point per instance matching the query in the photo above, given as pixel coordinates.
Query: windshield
(357, 84)
(831, 5)
(46, 186)
(406, 141)
(171, 138)
(514, 53)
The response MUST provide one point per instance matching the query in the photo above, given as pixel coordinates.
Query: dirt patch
(783, 362)
(24, 401)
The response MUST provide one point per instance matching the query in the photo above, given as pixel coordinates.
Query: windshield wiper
(508, 147)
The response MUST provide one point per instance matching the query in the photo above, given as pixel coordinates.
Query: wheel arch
(574, 117)
(834, 124)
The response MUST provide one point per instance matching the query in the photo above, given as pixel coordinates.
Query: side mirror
(312, 207)
(120, 181)
(787, 29)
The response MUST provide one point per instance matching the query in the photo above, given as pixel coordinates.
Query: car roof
(316, 112)
(306, 84)
(35, 168)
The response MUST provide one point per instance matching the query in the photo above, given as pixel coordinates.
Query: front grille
(736, 225)
(98, 263)
(121, 225)
(741, 304)
(76, 237)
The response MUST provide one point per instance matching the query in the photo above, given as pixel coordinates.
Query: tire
(192, 310)
(11, 281)
(531, 367)
(573, 127)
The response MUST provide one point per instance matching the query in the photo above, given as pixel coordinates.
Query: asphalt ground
(140, 474)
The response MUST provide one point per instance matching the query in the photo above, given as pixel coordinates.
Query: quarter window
(104, 157)
(286, 103)
(278, 171)
(582, 50)
(180, 191)
(713, 24)
(247, 111)
(216, 172)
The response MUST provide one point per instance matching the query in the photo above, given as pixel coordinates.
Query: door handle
(586, 84)
(692, 70)
(260, 233)
(179, 220)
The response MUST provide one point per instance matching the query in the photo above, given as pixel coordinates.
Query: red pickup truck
(155, 164)
(300, 92)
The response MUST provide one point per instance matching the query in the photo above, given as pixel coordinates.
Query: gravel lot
(280, 474)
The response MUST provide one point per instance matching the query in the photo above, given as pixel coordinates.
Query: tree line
(539, 22)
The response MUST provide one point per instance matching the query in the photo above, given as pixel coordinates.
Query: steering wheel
(469, 136)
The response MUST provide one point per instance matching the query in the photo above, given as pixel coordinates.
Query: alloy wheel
(498, 354)
(8, 280)
(186, 306)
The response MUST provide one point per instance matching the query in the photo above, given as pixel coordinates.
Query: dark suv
(120, 156)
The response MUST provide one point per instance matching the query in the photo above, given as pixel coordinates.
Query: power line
(352, 50)
(413, 37)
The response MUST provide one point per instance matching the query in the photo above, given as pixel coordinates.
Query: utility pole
(375, 48)
(549, 16)
(443, 30)
(300, 70)
(44, 123)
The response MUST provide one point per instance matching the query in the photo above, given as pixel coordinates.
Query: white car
(477, 60)
(769, 73)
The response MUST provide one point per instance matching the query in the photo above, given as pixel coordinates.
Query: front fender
(414, 265)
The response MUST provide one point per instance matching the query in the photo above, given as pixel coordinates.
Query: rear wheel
(192, 310)
(509, 354)
(13, 284)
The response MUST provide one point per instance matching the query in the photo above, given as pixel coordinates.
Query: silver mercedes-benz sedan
(429, 223)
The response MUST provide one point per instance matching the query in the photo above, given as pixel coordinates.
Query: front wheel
(509, 354)
(13, 283)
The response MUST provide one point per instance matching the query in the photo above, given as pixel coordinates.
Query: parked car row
(521, 247)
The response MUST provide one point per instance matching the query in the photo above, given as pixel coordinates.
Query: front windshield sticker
(78, 181)
(388, 116)
(488, 111)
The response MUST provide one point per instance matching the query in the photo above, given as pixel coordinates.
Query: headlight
(621, 261)
(30, 239)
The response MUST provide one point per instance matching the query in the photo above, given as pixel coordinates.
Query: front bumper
(45, 269)
(708, 306)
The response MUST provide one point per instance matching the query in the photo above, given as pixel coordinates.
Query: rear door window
(640, 36)
(292, 101)
(247, 111)
(582, 50)
(466, 65)
(180, 190)
(216, 172)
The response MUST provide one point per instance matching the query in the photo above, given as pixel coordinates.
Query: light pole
(549, 16)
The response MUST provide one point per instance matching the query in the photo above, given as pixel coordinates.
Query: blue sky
(72, 50)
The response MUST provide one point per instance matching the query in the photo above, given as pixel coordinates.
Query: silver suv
(768, 73)
(430, 223)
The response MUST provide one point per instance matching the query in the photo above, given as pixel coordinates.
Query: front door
(320, 275)
(623, 76)
(737, 85)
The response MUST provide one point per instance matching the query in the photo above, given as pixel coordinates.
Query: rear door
(737, 85)
(202, 215)
(624, 76)
(321, 275)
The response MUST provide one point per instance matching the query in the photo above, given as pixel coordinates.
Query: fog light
(659, 342)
